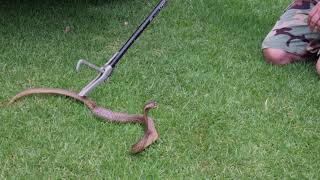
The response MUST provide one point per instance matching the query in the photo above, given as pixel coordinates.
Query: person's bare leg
(280, 57)
(318, 66)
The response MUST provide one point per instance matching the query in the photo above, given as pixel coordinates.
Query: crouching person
(296, 35)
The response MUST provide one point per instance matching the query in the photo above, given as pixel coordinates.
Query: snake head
(150, 105)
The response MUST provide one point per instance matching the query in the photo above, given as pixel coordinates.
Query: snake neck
(145, 117)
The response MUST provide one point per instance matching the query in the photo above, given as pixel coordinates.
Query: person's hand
(314, 19)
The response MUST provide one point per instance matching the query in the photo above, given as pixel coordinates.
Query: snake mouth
(156, 105)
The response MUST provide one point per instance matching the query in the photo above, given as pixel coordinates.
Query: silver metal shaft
(98, 80)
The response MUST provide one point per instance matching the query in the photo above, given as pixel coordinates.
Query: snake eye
(155, 104)
(151, 104)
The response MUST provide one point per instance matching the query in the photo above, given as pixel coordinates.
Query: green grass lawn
(223, 112)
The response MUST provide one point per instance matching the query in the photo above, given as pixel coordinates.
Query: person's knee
(278, 56)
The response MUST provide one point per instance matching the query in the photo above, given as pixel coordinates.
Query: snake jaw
(156, 105)
(150, 105)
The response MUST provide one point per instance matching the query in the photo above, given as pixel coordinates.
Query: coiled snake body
(150, 133)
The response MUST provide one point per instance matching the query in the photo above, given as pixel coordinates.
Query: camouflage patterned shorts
(291, 32)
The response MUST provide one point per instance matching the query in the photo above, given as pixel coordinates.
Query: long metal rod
(106, 70)
(137, 33)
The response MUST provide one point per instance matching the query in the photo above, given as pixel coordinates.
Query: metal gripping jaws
(104, 73)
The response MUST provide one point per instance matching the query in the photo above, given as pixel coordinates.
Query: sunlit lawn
(223, 112)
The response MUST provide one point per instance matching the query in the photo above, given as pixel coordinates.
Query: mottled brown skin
(150, 133)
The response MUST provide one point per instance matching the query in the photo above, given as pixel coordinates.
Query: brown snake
(150, 133)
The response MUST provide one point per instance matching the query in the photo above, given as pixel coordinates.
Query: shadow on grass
(28, 14)
(37, 3)
(37, 20)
